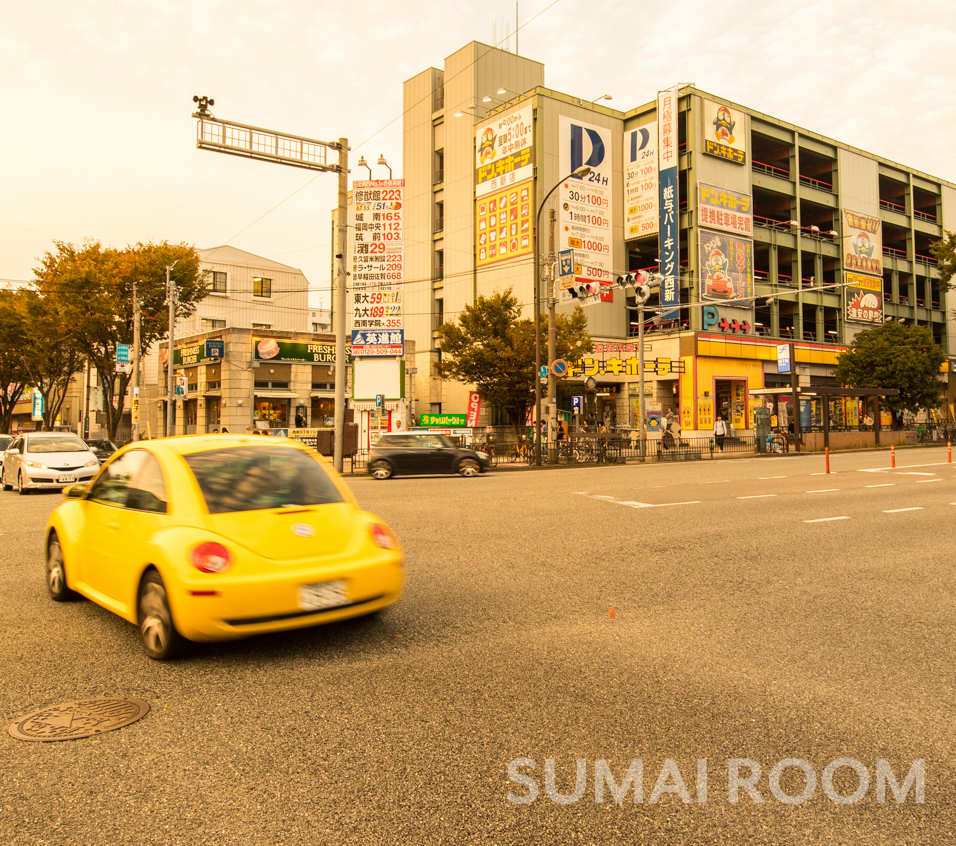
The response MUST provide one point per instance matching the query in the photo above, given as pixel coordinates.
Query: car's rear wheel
(56, 573)
(469, 467)
(23, 490)
(380, 470)
(160, 638)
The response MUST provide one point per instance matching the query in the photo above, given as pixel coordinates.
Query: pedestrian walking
(720, 432)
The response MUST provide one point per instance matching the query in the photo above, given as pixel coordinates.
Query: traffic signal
(583, 290)
(625, 281)
(642, 292)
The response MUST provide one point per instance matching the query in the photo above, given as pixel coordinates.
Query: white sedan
(39, 460)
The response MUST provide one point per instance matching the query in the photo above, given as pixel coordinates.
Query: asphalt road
(761, 611)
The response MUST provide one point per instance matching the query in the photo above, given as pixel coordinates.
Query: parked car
(5, 442)
(409, 453)
(220, 537)
(102, 449)
(40, 460)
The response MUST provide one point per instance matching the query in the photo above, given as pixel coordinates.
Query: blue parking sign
(577, 403)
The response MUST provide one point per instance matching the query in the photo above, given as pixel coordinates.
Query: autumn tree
(94, 288)
(52, 357)
(13, 342)
(492, 347)
(944, 251)
(895, 356)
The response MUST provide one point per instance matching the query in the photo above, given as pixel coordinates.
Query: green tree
(895, 356)
(52, 356)
(94, 288)
(14, 376)
(492, 347)
(945, 253)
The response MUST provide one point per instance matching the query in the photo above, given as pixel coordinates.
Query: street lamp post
(580, 172)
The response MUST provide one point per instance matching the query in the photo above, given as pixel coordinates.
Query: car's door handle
(113, 527)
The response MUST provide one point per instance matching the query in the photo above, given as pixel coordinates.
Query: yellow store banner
(504, 222)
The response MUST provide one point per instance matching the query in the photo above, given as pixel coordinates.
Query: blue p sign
(711, 316)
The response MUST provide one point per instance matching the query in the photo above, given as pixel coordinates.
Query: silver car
(39, 460)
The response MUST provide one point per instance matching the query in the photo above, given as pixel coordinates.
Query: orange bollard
(892, 456)
(826, 451)
(949, 451)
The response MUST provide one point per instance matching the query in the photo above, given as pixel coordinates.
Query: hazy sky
(95, 97)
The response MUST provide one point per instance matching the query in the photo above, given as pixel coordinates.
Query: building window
(207, 324)
(261, 287)
(218, 285)
(261, 325)
(439, 166)
(438, 314)
(439, 265)
(439, 217)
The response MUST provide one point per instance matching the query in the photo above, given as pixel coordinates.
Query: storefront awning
(369, 405)
(277, 394)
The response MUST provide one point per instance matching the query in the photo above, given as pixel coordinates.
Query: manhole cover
(72, 720)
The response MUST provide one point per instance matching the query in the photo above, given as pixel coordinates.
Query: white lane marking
(718, 481)
(826, 519)
(908, 467)
(756, 496)
(917, 474)
(656, 504)
(824, 490)
(924, 481)
(898, 510)
(633, 504)
(762, 478)
(885, 485)
(819, 474)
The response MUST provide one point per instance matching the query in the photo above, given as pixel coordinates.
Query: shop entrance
(213, 406)
(731, 402)
(271, 414)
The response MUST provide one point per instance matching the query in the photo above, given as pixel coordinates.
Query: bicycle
(521, 451)
(489, 450)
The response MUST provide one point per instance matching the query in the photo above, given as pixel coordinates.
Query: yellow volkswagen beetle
(216, 537)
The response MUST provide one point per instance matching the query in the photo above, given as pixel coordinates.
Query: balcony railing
(892, 251)
(439, 176)
(819, 184)
(770, 169)
(928, 260)
(921, 215)
(886, 205)
(439, 224)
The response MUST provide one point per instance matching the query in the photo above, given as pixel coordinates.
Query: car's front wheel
(380, 470)
(469, 467)
(23, 491)
(3, 480)
(56, 573)
(160, 638)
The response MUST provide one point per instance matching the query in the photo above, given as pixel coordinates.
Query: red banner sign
(474, 409)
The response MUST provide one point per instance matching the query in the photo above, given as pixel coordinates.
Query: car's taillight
(210, 557)
(382, 536)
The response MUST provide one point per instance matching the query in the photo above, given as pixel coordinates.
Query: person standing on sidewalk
(720, 432)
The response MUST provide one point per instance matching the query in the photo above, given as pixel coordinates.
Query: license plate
(323, 595)
(67, 479)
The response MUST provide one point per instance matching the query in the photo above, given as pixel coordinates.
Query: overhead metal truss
(253, 142)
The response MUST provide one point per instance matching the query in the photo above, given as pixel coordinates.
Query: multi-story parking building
(771, 233)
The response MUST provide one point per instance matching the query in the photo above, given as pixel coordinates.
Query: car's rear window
(56, 444)
(254, 478)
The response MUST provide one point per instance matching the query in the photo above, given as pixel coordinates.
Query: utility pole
(136, 320)
(86, 401)
(640, 367)
(340, 372)
(552, 344)
(171, 295)
(794, 396)
(253, 142)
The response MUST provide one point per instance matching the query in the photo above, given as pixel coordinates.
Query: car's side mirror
(75, 491)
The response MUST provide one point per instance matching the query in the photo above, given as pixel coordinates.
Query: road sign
(577, 403)
(123, 363)
(379, 400)
(182, 387)
(783, 358)
(544, 372)
(37, 405)
(559, 367)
